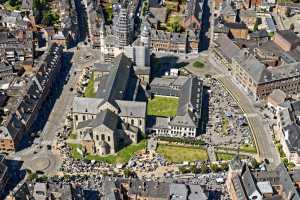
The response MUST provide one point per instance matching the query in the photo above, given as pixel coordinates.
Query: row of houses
(113, 188)
(259, 69)
(244, 183)
(23, 112)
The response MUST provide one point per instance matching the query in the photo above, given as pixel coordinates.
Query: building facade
(188, 119)
(20, 120)
(118, 97)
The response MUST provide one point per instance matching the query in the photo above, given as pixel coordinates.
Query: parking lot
(227, 126)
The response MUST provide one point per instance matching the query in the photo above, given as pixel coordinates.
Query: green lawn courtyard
(74, 152)
(178, 154)
(122, 156)
(90, 91)
(162, 106)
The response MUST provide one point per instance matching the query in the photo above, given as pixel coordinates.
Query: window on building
(76, 117)
(108, 138)
(83, 117)
(97, 137)
(132, 121)
(102, 137)
(140, 122)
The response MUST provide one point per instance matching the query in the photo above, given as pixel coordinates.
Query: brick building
(24, 113)
(287, 40)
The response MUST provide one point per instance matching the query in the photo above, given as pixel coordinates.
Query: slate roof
(190, 104)
(287, 183)
(168, 86)
(293, 137)
(194, 8)
(265, 187)
(3, 167)
(132, 108)
(227, 9)
(196, 193)
(226, 46)
(149, 189)
(115, 86)
(251, 65)
(278, 96)
(289, 36)
(165, 36)
(101, 67)
(259, 34)
(236, 25)
(178, 191)
(248, 181)
(238, 187)
(106, 118)
(86, 105)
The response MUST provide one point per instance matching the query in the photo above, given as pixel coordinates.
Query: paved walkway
(211, 154)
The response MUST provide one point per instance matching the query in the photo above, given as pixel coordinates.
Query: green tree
(127, 173)
(285, 161)
(224, 167)
(32, 177)
(291, 166)
(198, 64)
(204, 169)
(42, 179)
(214, 167)
(254, 163)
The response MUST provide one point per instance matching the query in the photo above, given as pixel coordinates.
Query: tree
(214, 167)
(224, 166)
(204, 169)
(285, 161)
(254, 163)
(32, 177)
(198, 64)
(194, 169)
(176, 27)
(292, 27)
(127, 173)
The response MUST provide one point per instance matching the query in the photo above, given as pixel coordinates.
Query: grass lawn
(162, 106)
(224, 156)
(75, 154)
(7, 5)
(122, 156)
(248, 148)
(89, 91)
(178, 154)
(198, 64)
